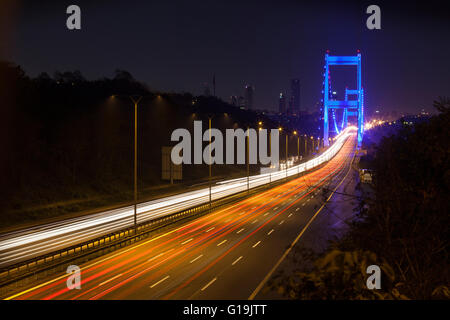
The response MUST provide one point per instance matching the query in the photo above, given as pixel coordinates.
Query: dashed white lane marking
(275, 209)
(270, 232)
(227, 220)
(196, 258)
(297, 209)
(209, 283)
(109, 280)
(189, 240)
(254, 221)
(253, 208)
(210, 229)
(265, 214)
(303, 204)
(222, 242)
(256, 244)
(159, 255)
(236, 261)
(156, 283)
(281, 222)
(240, 231)
(289, 215)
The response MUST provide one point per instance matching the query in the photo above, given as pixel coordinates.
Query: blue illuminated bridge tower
(349, 108)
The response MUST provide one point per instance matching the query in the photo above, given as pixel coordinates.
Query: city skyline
(251, 50)
(223, 155)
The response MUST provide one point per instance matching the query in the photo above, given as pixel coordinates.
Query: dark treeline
(68, 140)
(402, 225)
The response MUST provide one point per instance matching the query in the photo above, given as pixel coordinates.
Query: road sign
(169, 170)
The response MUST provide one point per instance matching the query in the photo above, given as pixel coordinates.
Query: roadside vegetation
(67, 143)
(403, 227)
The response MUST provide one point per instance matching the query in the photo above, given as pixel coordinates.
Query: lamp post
(306, 146)
(135, 101)
(248, 159)
(298, 145)
(286, 153)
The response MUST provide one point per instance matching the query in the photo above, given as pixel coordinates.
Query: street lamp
(286, 153)
(135, 99)
(306, 146)
(248, 152)
(298, 145)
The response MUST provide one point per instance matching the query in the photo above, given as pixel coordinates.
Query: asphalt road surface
(227, 254)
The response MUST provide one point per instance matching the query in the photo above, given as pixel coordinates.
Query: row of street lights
(136, 99)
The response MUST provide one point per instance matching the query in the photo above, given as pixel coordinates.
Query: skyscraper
(294, 104)
(241, 102)
(249, 96)
(234, 101)
(282, 104)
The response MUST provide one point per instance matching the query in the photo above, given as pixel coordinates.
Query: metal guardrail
(24, 273)
(52, 261)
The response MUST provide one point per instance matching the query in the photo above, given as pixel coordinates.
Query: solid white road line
(267, 277)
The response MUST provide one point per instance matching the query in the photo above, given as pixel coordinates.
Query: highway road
(227, 254)
(25, 244)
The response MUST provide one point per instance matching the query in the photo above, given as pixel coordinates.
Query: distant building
(290, 109)
(294, 103)
(206, 90)
(234, 101)
(248, 93)
(241, 101)
(282, 103)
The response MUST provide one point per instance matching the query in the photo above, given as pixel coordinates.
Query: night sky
(179, 45)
